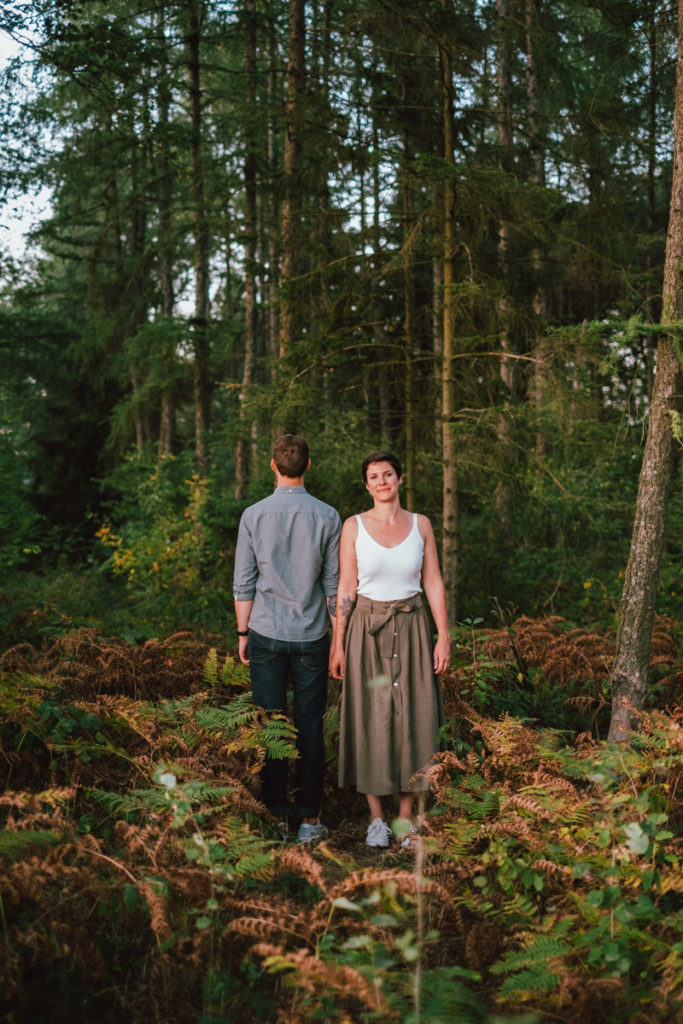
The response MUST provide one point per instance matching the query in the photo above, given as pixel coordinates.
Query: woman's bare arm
(346, 594)
(432, 581)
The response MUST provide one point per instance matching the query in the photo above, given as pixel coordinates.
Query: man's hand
(336, 663)
(244, 649)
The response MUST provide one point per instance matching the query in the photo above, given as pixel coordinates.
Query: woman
(382, 647)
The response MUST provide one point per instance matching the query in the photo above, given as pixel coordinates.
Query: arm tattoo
(345, 608)
(332, 606)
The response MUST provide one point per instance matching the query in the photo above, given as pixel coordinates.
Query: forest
(452, 229)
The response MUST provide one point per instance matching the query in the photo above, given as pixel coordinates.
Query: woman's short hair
(380, 457)
(291, 455)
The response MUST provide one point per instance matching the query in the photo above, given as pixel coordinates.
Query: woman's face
(381, 480)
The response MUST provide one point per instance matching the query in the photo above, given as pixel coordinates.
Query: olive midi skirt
(391, 708)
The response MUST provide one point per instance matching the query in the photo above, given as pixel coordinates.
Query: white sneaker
(310, 833)
(410, 839)
(378, 833)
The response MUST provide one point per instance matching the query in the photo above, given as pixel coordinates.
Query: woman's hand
(442, 654)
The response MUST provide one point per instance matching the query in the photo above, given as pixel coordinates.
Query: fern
(267, 732)
(446, 998)
(544, 948)
(15, 845)
(537, 979)
(239, 712)
(233, 673)
(155, 800)
(530, 968)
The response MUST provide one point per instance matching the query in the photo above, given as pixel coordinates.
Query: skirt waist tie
(382, 614)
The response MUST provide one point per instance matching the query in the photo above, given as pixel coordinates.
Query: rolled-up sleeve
(246, 566)
(330, 572)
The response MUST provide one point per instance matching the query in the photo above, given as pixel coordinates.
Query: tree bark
(449, 546)
(244, 439)
(539, 303)
(291, 204)
(636, 610)
(508, 366)
(409, 318)
(165, 193)
(200, 327)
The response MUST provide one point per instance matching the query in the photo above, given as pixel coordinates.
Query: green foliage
(19, 520)
(166, 538)
(610, 844)
(548, 870)
(15, 845)
(251, 728)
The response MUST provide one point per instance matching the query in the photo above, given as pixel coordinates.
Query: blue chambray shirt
(287, 563)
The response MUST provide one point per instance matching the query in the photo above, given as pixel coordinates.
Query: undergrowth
(142, 880)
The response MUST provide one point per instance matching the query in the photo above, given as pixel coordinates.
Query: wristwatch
(243, 632)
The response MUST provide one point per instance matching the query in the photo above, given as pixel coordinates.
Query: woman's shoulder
(350, 526)
(424, 526)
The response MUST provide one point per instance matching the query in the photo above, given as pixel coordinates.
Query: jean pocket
(316, 660)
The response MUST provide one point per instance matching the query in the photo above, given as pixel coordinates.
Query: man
(285, 585)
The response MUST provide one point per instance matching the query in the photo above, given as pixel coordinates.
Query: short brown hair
(380, 457)
(291, 455)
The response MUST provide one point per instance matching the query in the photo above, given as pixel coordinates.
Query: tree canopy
(438, 228)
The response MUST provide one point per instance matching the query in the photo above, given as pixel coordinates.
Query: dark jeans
(273, 664)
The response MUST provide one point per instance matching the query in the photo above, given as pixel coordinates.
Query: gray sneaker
(379, 833)
(311, 833)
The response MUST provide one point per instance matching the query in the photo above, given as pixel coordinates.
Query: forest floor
(141, 878)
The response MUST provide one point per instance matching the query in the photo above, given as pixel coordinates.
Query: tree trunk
(539, 304)
(244, 439)
(291, 203)
(652, 310)
(508, 366)
(272, 212)
(409, 318)
(636, 610)
(380, 351)
(449, 548)
(200, 326)
(165, 192)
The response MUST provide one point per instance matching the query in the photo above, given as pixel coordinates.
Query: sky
(18, 216)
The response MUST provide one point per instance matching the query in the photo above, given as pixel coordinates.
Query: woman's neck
(387, 512)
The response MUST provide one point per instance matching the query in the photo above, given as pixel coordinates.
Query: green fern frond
(239, 712)
(155, 800)
(445, 997)
(210, 670)
(255, 865)
(15, 845)
(538, 979)
(256, 729)
(538, 952)
(232, 673)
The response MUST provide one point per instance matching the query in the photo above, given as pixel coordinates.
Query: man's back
(287, 562)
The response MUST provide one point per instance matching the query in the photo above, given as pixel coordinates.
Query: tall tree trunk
(200, 326)
(409, 319)
(244, 439)
(652, 311)
(272, 212)
(383, 387)
(636, 610)
(449, 547)
(539, 304)
(508, 366)
(291, 203)
(165, 191)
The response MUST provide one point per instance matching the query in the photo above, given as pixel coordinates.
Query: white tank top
(389, 574)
